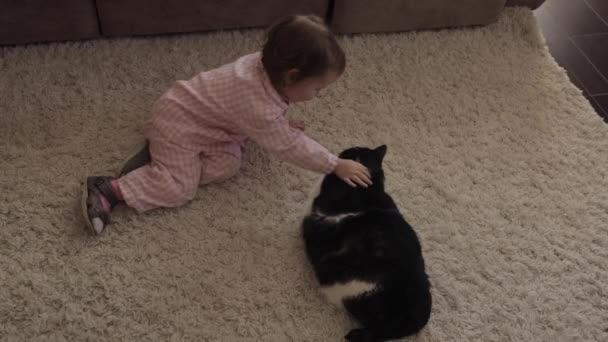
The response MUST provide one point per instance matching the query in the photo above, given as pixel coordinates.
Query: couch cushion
(28, 21)
(351, 16)
(133, 17)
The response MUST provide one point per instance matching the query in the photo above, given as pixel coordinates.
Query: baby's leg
(169, 180)
(220, 163)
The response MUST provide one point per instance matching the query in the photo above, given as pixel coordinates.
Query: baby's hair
(301, 42)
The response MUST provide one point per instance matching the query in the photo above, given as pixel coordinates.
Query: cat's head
(337, 195)
(370, 158)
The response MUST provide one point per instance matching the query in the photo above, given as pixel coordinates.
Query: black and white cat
(366, 256)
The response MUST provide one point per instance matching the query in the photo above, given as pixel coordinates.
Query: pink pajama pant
(173, 176)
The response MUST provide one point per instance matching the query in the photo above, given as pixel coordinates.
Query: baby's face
(308, 88)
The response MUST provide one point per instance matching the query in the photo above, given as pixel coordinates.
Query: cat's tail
(389, 330)
(361, 335)
(367, 335)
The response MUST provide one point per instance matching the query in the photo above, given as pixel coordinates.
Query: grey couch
(31, 21)
(352, 16)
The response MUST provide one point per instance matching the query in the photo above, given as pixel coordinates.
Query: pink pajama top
(230, 104)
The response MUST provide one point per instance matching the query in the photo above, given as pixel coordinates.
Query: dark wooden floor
(577, 35)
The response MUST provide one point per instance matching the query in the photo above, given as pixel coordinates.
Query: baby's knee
(181, 192)
(221, 170)
(232, 167)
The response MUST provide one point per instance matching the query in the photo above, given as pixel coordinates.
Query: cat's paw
(360, 335)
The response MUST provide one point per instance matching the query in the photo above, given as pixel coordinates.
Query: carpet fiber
(495, 158)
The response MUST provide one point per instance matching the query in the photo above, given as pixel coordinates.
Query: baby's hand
(353, 172)
(297, 124)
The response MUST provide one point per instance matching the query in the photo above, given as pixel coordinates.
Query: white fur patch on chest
(337, 292)
(335, 218)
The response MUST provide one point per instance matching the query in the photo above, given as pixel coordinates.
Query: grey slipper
(138, 157)
(96, 217)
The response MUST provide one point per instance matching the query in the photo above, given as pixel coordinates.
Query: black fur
(377, 245)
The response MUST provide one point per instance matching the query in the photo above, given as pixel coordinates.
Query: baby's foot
(98, 199)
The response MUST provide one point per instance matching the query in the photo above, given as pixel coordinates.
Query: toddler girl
(198, 127)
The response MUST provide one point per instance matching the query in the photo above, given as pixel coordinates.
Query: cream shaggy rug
(496, 159)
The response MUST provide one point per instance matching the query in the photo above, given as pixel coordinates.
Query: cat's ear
(380, 151)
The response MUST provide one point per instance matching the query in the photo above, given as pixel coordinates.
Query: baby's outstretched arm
(274, 133)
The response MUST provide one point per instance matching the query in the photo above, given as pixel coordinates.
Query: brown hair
(301, 42)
